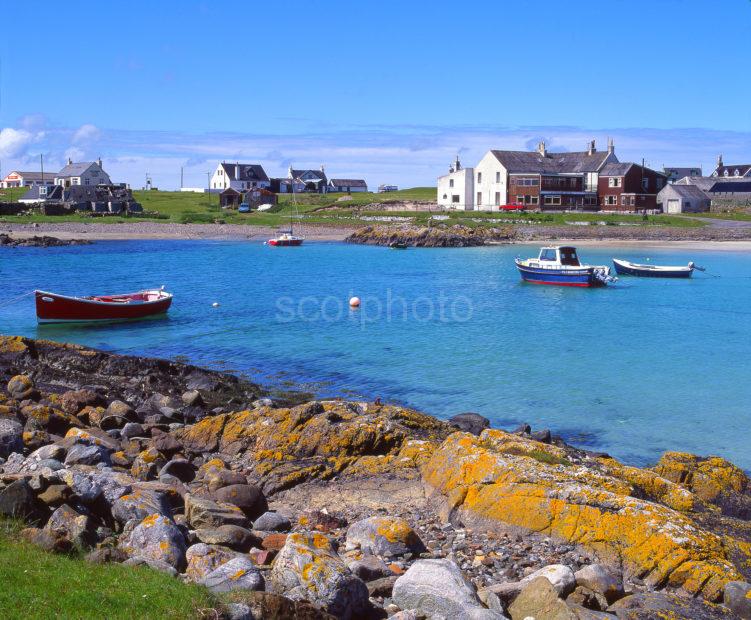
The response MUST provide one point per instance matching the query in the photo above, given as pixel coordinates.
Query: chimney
(719, 160)
(323, 169)
(70, 161)
(289, 172)
(592, 150)
(611, 146)
(541, 149)
(237, 171)
(457, 165)
(99, 162)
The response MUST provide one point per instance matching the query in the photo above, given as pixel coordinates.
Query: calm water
(634, 369)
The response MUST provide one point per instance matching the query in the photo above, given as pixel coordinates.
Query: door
(674, 205)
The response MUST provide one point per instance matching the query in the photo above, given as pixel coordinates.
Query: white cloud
(14, 142)
(86, 134)
(75, 154)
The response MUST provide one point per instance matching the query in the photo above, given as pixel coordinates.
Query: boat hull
(285, 242)
(53, 308)
(634, 270)
(583, 278)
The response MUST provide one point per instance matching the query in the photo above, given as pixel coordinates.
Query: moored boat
(627, 268)
(55, 308)
(286, 239)
(559, 265)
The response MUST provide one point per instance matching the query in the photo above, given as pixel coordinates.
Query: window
(687, 205)
(645, 183)
(498, 198)
(454, 198)
(659, 183)
(573, 182)
(87, 181)
(498, 177)
(451, 182)
(552, 200)
(479, 198)
(479, 177)
(726, 173)
(547, 254)
(445, 196)
(737, 172)
(534, 200)
(611, 200)
(614, 182)
(519, 199)
(624, 200)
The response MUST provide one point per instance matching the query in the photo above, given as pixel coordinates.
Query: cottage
(239, 177)
(629, 187)
(683, 199)
(737, 171)
(347, 185)
(257, 196)
(89, 173)
(456, 189)
(540, 179)
(41, 193)
(311, 180)
(675, 174)
(27, 179)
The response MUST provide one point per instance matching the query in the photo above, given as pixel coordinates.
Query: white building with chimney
(456, 189)
(88, 173)
(239, 177)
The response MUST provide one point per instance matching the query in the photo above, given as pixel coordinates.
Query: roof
(296, 174)
(615, 169)
(75, 169)
(725, 187)
(686, 191)
(681, 172)
(348, 182)
(32, 175)
(248, 172)
(743, 170)
(54, 191)
(553, 163)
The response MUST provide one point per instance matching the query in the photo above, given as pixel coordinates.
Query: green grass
(739, 216)
(38, 584)
(326, 209)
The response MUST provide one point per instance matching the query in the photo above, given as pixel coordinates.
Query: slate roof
(75, 169)
(348, 182)
(615, 169)
(248, 172)
(691, 192)
(297, 174)
(552, 163)
(705, 183)
(679, 173)
(34, 176)
(743, 169)
(53, 192)
(725, 187)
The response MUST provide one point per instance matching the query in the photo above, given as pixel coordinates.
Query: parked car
(512, 207)
(243, 208)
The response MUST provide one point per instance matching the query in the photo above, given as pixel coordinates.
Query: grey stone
(11, 437)
(247, 497)
(470, 422)
(82, 486)
(232, 536)
(601, 579)
(87, 455)
(202, 559)
(330, 586)
(438, 589)
(203, 512)
(158, 565)
(156, 538)
(181, 469)
(737, 598)
(18, 500)
(272, 522)
(539, 599)
(76, 527)
(237, 574)
(369, 568)
(132, 429)
(387, 536)
(140, 504)
(238, 611)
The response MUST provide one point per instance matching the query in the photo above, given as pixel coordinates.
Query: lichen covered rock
(495, 488)
(387, 536)
(309, 567)
(156, 538)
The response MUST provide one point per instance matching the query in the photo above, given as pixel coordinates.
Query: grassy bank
(340, 210)
(37, 584)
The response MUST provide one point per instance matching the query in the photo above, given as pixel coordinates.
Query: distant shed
(683, 199)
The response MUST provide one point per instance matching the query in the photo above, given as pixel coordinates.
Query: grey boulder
(11, 437)
(237, 574)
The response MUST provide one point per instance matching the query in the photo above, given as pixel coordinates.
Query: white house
(456, 189)
(27, 179)
(239, 177)
(82, 173)
(683, 199)
(347, 185)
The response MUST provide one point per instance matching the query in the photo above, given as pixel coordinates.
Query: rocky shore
(355, 510)
(438, 236)
(36, 241)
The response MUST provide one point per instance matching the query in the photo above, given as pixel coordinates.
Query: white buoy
(354, 302)
(215, 304)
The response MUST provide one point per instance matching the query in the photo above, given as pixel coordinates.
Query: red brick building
(629, 187)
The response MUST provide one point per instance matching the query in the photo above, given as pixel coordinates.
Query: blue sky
(386, 90)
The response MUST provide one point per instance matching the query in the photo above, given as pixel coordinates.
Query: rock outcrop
(436, 236)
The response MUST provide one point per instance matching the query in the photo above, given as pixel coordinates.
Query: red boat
(54, 308)
(286, 239)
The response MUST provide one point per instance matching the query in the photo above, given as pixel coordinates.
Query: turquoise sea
(634, 369)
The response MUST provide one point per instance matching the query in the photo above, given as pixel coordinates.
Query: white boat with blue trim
(560, 265)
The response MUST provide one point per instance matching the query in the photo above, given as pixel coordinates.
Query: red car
(512, 207)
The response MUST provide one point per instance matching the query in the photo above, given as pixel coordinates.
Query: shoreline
(143, 231)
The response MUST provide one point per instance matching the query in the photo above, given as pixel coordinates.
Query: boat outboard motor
(603, 275)
(694, 266)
